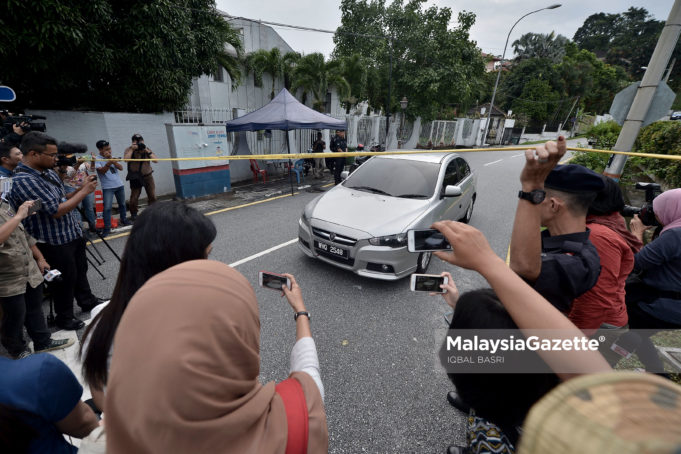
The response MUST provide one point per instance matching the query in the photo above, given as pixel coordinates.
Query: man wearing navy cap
(560, 262)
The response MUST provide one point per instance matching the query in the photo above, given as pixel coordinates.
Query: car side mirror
(344, 174)
(452, 191)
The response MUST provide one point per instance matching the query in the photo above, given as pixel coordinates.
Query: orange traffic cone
(99, 208)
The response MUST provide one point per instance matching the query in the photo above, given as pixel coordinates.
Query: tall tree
(433, 64)
(626, 39)
(540, 45)
(538, 102)
(124, 55)
(315, 76)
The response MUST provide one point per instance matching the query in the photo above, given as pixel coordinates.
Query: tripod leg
(88, 251)
(95, 267)
(101, 257)
(101, 237)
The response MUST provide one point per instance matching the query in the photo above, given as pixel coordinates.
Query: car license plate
(330, 249)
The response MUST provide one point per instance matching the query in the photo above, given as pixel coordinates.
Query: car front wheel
(423, 262)
(469, 212)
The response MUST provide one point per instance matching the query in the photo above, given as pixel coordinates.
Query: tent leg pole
(290, 169)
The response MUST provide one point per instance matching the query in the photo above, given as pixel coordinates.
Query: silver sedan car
(361, 225)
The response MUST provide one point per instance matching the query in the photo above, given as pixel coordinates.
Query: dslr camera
(645, 211)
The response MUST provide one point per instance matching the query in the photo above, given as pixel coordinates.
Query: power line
(300, 27)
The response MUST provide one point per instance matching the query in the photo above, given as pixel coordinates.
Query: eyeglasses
(51, 155)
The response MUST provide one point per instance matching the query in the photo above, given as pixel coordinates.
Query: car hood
(374, 214)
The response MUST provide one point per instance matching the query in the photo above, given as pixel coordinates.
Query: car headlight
(398, 240)
(305, 219)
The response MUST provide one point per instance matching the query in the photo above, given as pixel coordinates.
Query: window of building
(219, 75)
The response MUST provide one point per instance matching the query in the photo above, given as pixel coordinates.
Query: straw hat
(615, 412)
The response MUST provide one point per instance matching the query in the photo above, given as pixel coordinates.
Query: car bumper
(364, 259)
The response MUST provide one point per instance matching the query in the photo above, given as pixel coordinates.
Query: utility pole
(390, 83)
(644, 95)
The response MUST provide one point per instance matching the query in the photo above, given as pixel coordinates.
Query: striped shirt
(31, 184)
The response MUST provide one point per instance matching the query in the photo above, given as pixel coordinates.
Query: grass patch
(670, 338)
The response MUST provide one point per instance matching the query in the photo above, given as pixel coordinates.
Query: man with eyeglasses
(55, 226)
(112, 185)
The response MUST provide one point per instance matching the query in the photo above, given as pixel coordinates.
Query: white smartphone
(273, 281)
(428, 283)
(426, 241)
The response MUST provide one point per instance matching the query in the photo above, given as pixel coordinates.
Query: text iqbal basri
(532, 343)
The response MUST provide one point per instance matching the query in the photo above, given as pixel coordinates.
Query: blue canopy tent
(284, 113)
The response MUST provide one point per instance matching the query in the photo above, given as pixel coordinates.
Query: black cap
(101, 144)
(137, 137)
(574, 178)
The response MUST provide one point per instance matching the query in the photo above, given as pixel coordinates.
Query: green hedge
(661, 137)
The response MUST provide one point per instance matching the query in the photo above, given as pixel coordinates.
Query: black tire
(423, 262)
(469, 212)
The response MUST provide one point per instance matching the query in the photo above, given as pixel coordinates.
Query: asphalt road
(377, 341)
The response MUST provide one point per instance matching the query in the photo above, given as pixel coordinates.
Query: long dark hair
(164, 235)
(608, 200)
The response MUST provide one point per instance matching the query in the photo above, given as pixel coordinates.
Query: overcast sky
(494, 18)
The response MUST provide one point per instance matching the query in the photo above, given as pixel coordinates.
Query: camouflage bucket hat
(617, 412)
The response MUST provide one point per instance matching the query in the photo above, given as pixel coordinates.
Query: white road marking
(260, 254)
(519, 154)
(493, 162)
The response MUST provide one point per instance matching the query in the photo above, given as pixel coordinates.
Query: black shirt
(338, 143)
(570, 266)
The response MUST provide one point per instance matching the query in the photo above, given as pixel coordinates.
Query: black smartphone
(273, 281)
(427, 240)
(37, 205)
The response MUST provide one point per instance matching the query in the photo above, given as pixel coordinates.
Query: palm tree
(539, 45)
(262, 61)
(289, 62)
(355, 73)
(230, 57)
(314, 75)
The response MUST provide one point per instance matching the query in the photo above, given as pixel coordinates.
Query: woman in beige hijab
(184, 374)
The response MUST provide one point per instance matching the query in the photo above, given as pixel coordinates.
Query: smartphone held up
(427, 241)
(273, 281)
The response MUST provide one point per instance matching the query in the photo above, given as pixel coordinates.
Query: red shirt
(604, 303)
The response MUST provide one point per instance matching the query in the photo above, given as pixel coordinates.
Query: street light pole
(501, 67)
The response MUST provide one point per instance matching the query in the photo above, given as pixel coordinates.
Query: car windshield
(395, 177)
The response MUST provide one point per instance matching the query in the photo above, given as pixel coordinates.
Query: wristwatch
(535, 196)
(295, 316)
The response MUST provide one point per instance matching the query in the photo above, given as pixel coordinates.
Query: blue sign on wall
(7, 94)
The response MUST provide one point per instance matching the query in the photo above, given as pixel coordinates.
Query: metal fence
(438, 133)
(206, 116)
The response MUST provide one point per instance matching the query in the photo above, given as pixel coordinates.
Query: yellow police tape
(271, 157)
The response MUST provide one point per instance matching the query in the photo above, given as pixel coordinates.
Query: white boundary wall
(117, 128)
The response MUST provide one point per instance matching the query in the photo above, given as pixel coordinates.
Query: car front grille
(333, 237)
